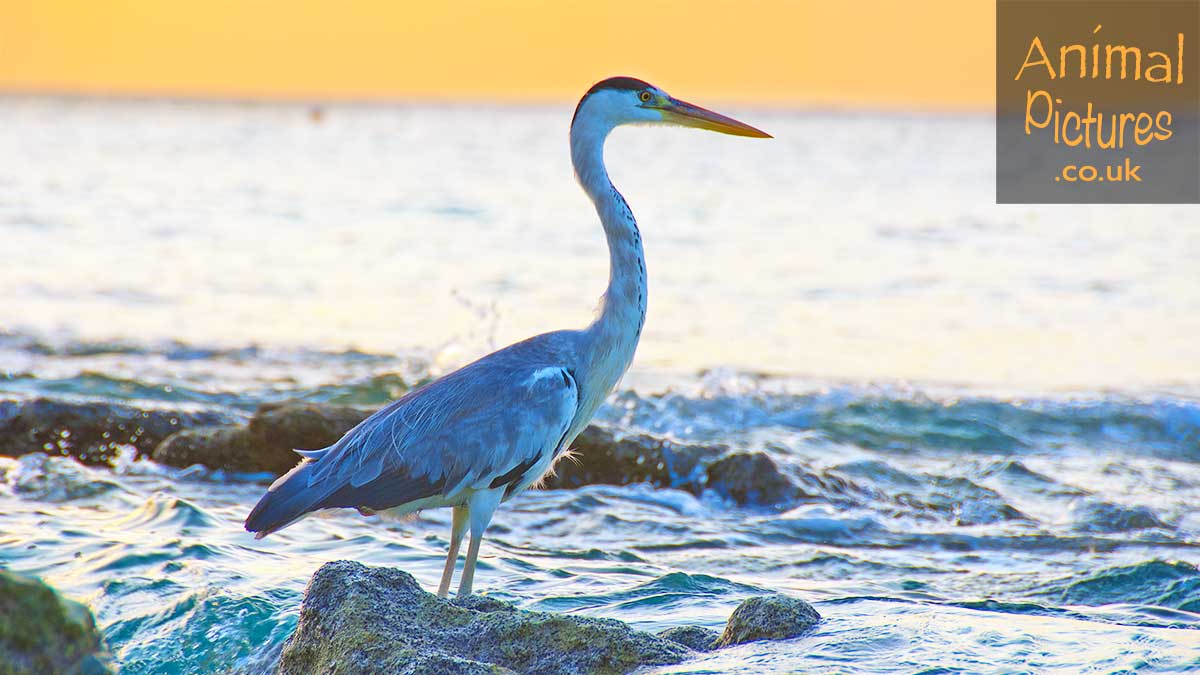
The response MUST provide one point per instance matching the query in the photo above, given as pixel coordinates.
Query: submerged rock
(43, 632)
(773, 617)
(358, 619)
(267, 442)
(91, 431)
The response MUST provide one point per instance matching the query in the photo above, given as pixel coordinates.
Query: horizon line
(782, 104)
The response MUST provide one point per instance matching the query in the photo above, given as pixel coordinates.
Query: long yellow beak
(689, 115)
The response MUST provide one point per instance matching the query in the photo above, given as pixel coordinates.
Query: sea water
(1002, 400)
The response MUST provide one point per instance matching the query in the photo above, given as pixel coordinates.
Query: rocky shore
(359, 619)
(264, 441)
(43, 632)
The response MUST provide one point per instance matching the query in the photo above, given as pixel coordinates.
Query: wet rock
(601, 455)
(304, 425)
(438, 664)
(771, 617)
(218, 448)
(43, 632)
(1099, 516)
(267, 442)
(91, 431)
(698, 638)
(752, 479)
(606, 457)
(358, 619)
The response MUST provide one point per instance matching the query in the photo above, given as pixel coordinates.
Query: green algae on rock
(770, 617)
(698, 638)
(43, 632)
(359, 619)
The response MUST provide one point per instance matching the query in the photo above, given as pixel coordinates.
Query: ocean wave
(1173, 584)
(908, 421)
(240, 634)
(861, 417)
(55, 480)
(714, 406)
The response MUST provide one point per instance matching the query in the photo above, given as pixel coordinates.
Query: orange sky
(875, 53)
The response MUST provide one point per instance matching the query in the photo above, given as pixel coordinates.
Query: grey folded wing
(479, 427)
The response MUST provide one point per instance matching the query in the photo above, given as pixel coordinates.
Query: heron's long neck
(613, 336)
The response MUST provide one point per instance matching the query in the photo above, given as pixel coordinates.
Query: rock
(307, 426)
(218, 448)
(266, 443)
(438, 664)
(43, 632)
(1099, 516)
(358, 619)
(769, 617)
(91, 431)
(698, 638)
(602, 456)
(752, 478)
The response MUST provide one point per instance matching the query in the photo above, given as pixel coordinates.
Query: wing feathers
(486, 425)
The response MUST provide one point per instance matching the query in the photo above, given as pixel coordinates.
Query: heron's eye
(645, 96)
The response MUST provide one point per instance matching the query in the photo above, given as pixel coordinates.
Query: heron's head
(627, 100)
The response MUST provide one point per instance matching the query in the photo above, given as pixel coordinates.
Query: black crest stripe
(621, 83)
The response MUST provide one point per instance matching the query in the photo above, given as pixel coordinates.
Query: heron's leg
(468, 573)
(457, 528)
(482, 505)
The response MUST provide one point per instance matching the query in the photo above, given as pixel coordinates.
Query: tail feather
(289, 499)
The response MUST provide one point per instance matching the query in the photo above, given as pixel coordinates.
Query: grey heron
(479, 435)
